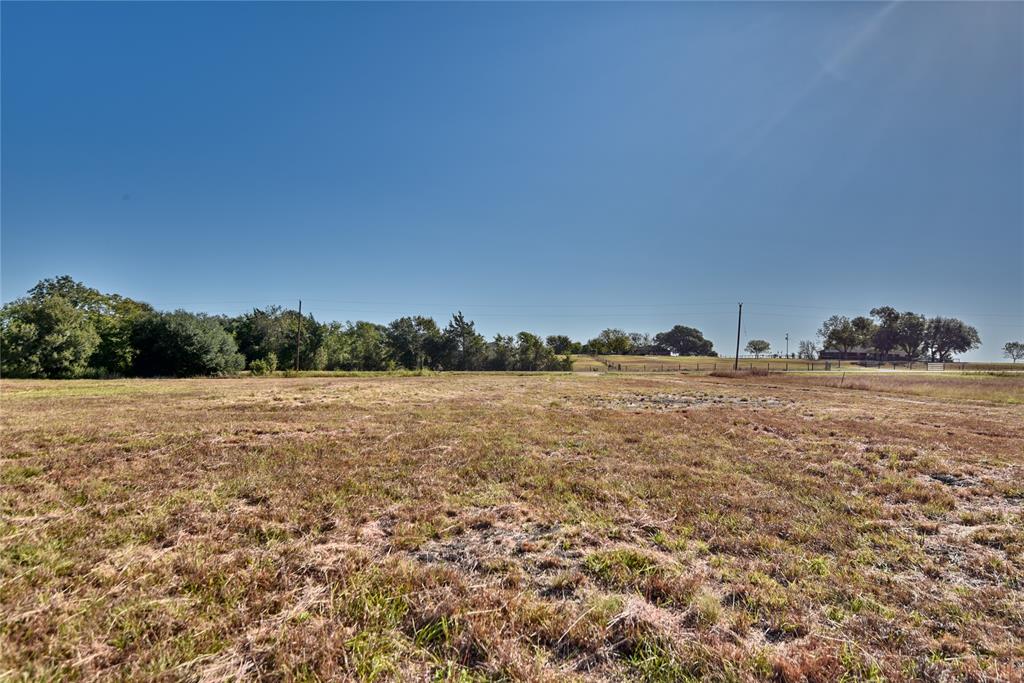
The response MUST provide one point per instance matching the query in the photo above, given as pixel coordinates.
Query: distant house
(863, 353)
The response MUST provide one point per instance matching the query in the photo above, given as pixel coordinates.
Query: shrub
(757, 372)
(264, 366)
(730, 373)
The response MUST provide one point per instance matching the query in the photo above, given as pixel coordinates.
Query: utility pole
(739, 321)
(298, 338)
(787, 345)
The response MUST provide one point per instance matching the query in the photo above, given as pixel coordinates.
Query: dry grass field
(513, 527)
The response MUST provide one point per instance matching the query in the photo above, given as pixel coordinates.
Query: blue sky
(559, 168)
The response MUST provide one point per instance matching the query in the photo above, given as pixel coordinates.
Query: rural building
(863, 353)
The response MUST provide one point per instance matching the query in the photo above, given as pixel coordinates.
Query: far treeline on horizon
(65, 329)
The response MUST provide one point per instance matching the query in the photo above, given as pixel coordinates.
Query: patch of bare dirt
(671, 402)
(504, 542)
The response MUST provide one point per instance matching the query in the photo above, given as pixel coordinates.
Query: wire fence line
(599, 364)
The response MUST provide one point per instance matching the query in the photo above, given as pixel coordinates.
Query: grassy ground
(529, 527)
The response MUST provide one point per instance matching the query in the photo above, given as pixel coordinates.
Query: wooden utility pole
(787, 345)
(739, 322)
(298, 338)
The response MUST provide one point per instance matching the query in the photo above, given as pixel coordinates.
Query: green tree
(369, 347)
(403, 341)
(501, 353)
(887, 331)
(431, 339)
(757, 347)
(839, 333)
(561, 344)
(864, 328)
(946, 336)
(45, 336)
(808, 350)
(610, 341)
(464, 347)
(262, 331)
(112, 317)
(685, 341)
(414, 341)
(336, 350)
(1013, 350)
(276, 330)
(912, 333)
(641, 344)
(533, 354)
(183, 344)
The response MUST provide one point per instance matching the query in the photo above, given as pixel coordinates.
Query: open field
(584, 526)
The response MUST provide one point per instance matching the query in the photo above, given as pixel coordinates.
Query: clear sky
(559, 168)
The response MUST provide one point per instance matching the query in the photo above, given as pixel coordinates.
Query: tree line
(680, 340)
(887, 330)
(65, 329)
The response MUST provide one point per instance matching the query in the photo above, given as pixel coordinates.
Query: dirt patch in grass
(672, 401)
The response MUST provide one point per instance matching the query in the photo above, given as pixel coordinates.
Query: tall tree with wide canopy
(947, 336)
(757, 347)
(112, 317)
(562, 344)
(838, 332)
(45, 336)
(685, 341)
(610, 341)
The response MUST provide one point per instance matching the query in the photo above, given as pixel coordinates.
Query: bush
(264, 366)
(183, 344)
(745, 372)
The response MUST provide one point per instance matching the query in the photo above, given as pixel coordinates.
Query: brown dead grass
(952, 386)
(539, 527)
